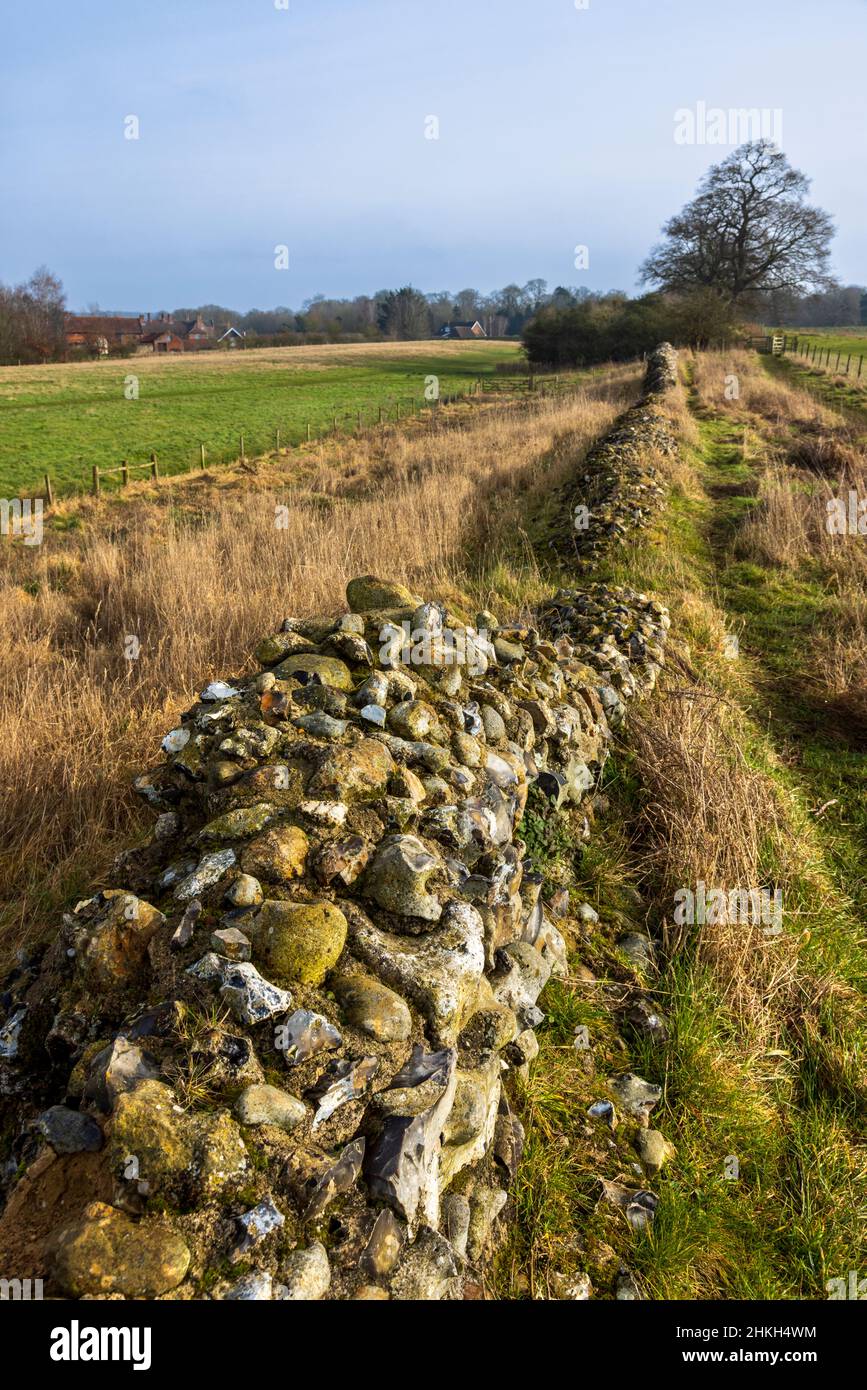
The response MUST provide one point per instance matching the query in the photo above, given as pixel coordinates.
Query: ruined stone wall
(275, 1061)
(620, 487)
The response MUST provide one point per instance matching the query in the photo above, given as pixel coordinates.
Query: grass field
(833, 340)
(828, 382)
(62, 419)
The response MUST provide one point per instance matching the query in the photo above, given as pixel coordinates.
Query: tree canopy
(749, 231)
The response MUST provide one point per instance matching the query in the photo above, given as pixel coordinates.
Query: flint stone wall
(620, 487)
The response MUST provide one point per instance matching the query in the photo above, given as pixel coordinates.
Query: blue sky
(262, 126)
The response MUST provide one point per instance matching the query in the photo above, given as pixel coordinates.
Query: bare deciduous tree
(750, 230)
(33, 319)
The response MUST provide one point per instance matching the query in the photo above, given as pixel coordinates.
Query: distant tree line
(841, 306)
(404, 313)
(32, 316)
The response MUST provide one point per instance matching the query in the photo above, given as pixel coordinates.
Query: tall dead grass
(196, 576)
(711, 818)
(735, 382)
(790, 525)
(812, 457)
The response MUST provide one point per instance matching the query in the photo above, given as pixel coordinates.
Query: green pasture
(64, 418)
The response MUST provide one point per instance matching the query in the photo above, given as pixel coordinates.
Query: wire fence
(808, 352)
(808, 349)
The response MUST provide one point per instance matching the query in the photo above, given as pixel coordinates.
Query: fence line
(403, 408)
(781, 343)
(152, 467)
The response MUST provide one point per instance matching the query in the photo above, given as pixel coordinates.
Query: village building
(102, 332)
(468, 329)
(186, 335)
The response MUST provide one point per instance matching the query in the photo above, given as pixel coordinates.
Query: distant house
(232, 338)
(102, 332)
(469, 329)
(196, 332)
(163, 340)
(186, 335)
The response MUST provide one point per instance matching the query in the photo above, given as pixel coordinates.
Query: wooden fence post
(49, 494)
(202, 454)
(155, 468)
(308, 431)
(241, 455)
(277, 439)
(96, 480)
(124, 473)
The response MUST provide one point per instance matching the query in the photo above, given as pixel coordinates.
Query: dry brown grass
(714, 814)
(812, 456)
(790, 525)
(839, 667)
(198, 575)
(712, 818)
(783, 406)
(801, 431)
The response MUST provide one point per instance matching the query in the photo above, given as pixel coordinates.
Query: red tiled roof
(104, 324)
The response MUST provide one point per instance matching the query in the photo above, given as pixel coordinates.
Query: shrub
(615, 328)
